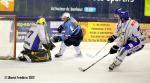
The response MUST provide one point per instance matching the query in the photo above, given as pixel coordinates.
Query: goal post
(8, 37)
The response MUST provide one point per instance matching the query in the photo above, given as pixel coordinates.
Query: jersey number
(30, 33)
(71, 28)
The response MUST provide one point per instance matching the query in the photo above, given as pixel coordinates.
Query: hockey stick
(98, 51)
(83, 70)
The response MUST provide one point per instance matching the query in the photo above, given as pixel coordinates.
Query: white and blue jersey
(129, 36)
(35, 36)
(130, 30)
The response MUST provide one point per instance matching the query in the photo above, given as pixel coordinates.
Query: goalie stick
(85, 69)
(48, 39)
(98, 51)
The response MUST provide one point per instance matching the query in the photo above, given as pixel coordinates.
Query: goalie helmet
(65, 15)
(41, 21)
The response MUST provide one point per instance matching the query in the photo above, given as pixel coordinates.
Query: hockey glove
(57, 39)
(114, 49)
(50, 46)
(60, 29)
(67, 37)
(26, 52)
(112, 38)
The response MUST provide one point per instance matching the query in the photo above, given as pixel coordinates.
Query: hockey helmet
(41, 21)
(117, 11)
(124, 15)
(65, 15)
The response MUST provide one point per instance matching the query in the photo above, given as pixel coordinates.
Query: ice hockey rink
(135, 69)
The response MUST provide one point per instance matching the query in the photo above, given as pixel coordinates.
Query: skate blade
(110, 70)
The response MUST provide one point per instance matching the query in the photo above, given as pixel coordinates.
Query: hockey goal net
(7, 37)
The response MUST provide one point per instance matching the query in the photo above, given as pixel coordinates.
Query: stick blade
(81, 69)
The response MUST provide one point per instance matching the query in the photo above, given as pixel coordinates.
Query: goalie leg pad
(39, 56)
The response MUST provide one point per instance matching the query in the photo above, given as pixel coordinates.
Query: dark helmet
(117, 11)
(124, 15)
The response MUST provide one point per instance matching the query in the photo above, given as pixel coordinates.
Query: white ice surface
(135, 69)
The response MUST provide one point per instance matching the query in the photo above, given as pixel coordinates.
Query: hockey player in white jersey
(35, 38)
(73, 35)
(129, 39)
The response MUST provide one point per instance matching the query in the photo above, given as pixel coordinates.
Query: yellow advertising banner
(100, 31)
(97, 31)
(145, 28)
(7, 5)
(84, 26)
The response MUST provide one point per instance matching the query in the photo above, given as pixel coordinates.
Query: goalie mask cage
(7, 37)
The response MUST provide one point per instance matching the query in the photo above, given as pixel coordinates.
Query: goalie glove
(112, 38)
(114, 49)
(60, 29)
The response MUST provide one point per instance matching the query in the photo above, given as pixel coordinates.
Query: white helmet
(65, 15)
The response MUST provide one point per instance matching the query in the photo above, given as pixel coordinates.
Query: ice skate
(22, 58)
(112, 66)
(79, 54)
(58, 55)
